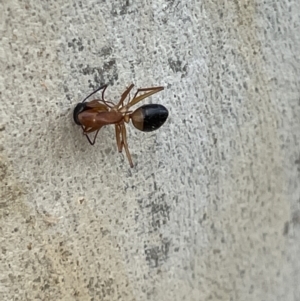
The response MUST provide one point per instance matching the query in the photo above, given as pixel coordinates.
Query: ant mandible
(95, 114)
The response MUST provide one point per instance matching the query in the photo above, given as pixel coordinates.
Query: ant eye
(149, 117)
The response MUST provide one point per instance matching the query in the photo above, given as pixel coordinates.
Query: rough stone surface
(211, 209)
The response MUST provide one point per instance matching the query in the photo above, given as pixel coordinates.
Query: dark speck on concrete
(121, 9)
(177, 66)
(286, 228)
(107, 74)
(105, 51)
(76, 44)
(157, 255)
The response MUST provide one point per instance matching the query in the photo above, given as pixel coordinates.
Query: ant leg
(124, 143)
(85, 132)
(94, 140)
(99, 104)
(89, 140)
(123, 96)
(104, 88)
(150, 92)
(118, 137)
(98, 89)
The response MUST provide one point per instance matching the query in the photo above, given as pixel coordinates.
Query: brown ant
(94, 114)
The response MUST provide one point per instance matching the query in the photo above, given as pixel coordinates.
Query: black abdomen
(149, 117)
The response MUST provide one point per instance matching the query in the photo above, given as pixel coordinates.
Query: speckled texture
(211, 209)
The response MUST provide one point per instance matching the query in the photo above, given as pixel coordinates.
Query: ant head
(80, 107)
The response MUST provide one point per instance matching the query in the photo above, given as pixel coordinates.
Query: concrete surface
(211, 209)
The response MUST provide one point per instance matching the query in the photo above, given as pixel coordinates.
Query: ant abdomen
(149, 117)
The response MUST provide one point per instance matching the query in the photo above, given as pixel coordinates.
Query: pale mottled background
(210, 210)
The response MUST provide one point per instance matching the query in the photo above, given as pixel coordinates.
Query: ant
(93, 115)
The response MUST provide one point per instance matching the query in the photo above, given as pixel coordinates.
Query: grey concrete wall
(211, 209)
